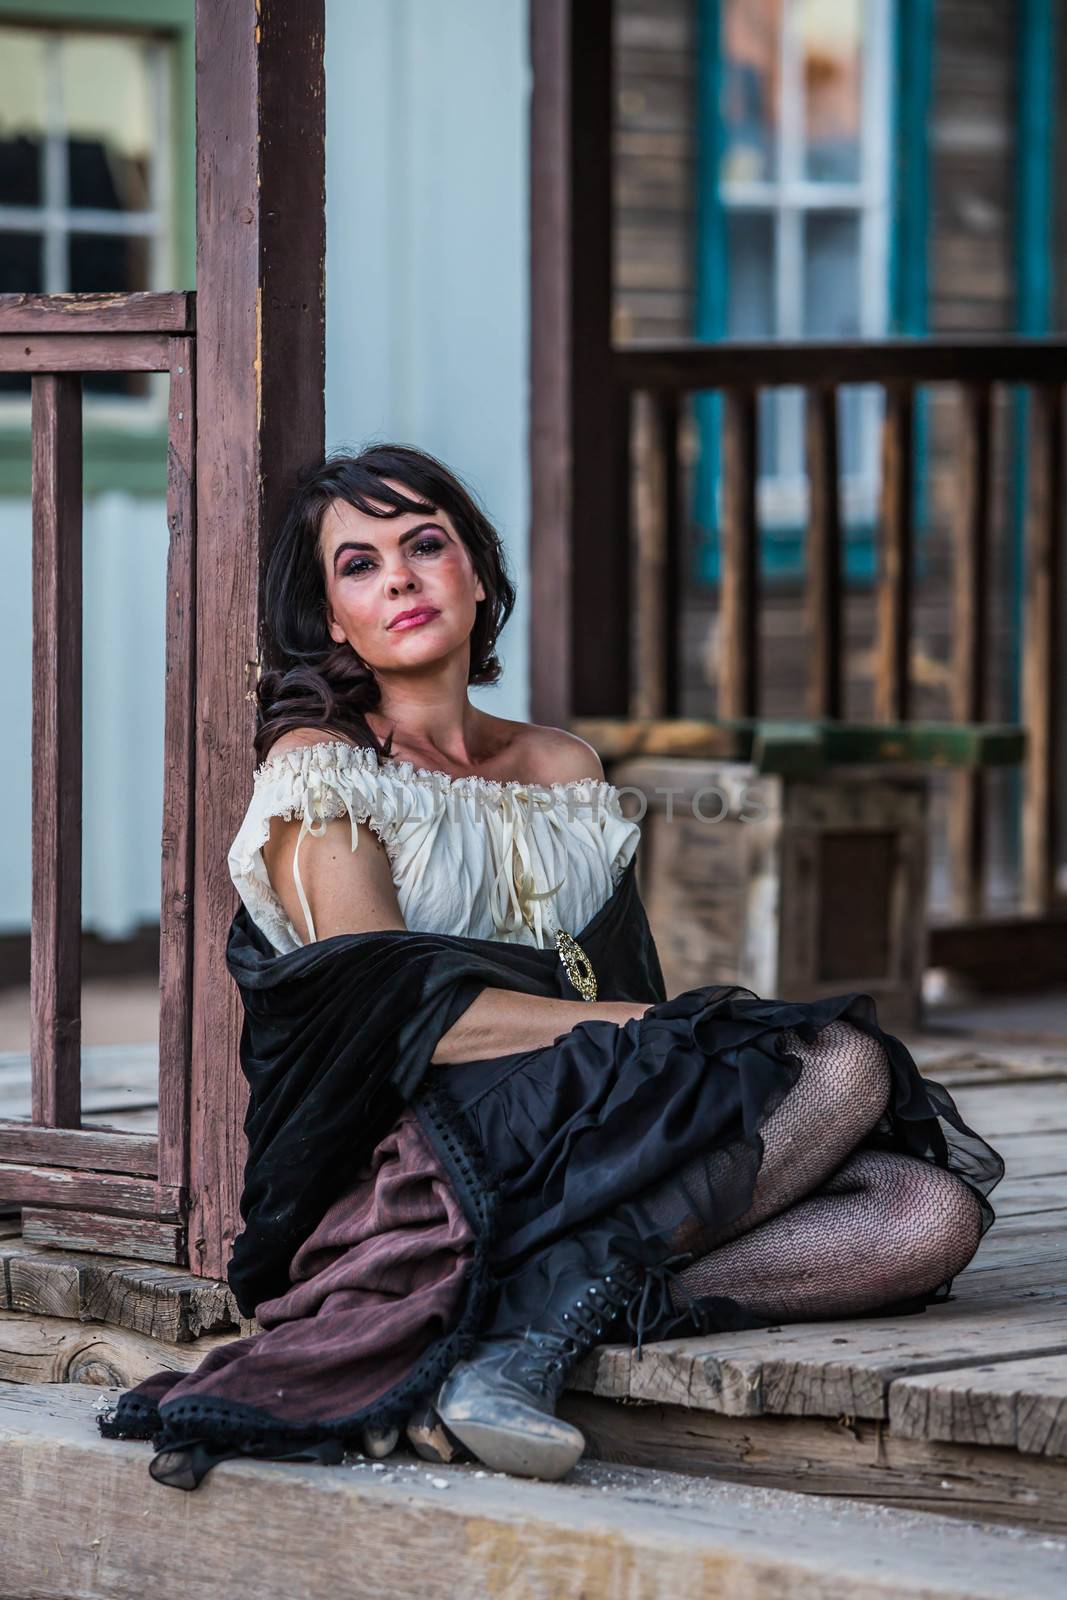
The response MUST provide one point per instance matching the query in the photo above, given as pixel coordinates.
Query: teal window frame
(115, 457)
(1037, 43)
(782, 547)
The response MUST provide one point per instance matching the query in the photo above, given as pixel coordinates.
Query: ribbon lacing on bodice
(513, 893)
(514, 899)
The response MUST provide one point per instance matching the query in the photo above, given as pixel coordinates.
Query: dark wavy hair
(312, 682)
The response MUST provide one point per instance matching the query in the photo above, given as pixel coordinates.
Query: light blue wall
(124, 579)
(426, 286)
(427, 253)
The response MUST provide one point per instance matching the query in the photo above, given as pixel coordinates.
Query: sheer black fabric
(818, 1241)
(718, 1116)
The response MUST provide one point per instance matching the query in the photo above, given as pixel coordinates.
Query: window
(85, 200)
(796, 169)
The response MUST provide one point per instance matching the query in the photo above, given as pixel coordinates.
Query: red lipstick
(411, 619)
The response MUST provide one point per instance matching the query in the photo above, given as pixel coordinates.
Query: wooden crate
(795, 886)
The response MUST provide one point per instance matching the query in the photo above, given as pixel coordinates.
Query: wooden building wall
(971, 288)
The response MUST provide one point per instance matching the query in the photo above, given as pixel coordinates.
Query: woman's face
(378, 568)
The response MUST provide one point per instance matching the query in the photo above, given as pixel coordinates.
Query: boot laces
(643, 1294)
(654, 1303)
(588, 1319)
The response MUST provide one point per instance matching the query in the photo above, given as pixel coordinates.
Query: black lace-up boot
(501, 1401)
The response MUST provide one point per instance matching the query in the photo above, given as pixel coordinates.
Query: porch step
(92, 1523)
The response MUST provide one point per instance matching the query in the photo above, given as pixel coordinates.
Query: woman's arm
(352, 891)
(499, 1021)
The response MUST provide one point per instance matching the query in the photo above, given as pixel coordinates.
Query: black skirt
(574, 1131)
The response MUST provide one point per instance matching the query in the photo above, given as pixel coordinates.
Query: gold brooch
(578, 965)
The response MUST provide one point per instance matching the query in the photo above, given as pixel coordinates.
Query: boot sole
(517, 1452)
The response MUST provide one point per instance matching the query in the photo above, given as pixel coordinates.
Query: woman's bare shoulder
(299, 738)
(527, 750)
(554, 755)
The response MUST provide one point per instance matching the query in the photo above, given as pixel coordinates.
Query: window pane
(21, 116)
(20, 263)
(750, 252)
(750, 305)
(832, 306)
(832, 275)
(20, 273)
(751, 30)
(108, 113)
(109, 264)
(831, 37)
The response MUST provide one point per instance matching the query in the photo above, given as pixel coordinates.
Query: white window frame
(787, 199)
(56, 219)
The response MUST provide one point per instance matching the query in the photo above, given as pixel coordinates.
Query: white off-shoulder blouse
(477, 857)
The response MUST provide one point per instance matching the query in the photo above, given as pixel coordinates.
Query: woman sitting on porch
(481, 1140)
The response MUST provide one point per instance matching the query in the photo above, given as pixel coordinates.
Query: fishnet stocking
(837, 1099)
(832, 1230)
(841, 1092)
(885, 1227)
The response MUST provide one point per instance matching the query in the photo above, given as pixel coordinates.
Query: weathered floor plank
(167, 1303)
(1006, 1108)
(62, 1350)
(1017, 1195)
(278, 1530)
(831, 1368)
(1031, 1155)
(853, 1460)
(1018, 1404)
(119, 1078)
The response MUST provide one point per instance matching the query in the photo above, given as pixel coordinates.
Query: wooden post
(892, 685)
(1042, 658)
(739, 655)
(579, 533)
(261, 361)
(55, 944)
(824, 585)
(660, 581)
(970, 639)
(179, 775)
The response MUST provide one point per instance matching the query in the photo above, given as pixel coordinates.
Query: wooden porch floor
(961, 1410)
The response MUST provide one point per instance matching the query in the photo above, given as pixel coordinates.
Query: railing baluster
(824, 574)
(970, 639)
(1041, 647)
(621, 424)
(176, 903)
(56, 815)
(666, 422)
(739, 671)
(892, 687)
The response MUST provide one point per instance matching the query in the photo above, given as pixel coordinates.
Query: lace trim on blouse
(327, 779)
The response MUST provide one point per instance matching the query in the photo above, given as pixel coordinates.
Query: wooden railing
(90, 1186)
(666, 373)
